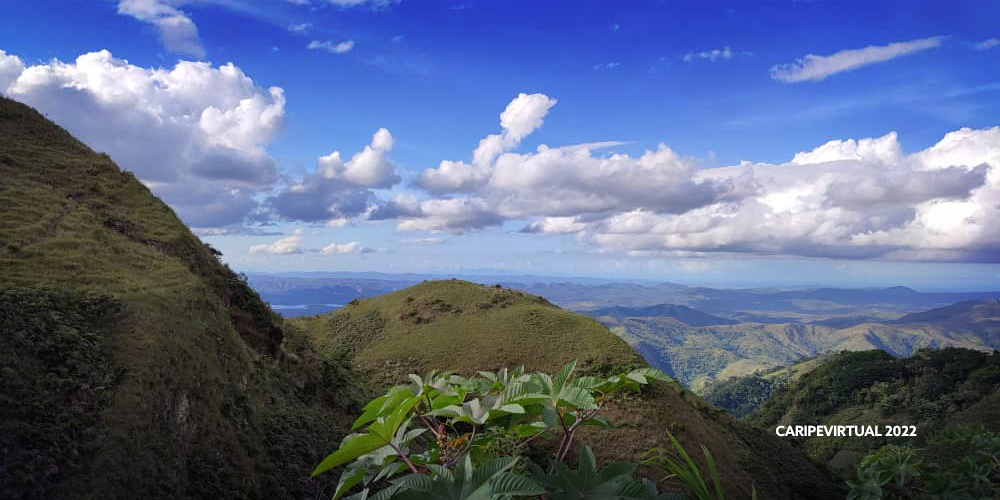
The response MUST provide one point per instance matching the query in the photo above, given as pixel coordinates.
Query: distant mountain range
(683, 314)
(835, 307)
(703, 335)
(700, 354)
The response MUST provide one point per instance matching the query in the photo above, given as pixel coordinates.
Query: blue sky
(718, 83)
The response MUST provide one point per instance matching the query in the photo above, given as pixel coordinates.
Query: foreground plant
(681, 467)
(962, 462)
(461, 438)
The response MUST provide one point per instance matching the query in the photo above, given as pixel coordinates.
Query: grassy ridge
(461, 326)
(217, 398)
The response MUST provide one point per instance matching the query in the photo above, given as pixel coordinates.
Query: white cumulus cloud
(371, 167)
(196, 134)
(850, 198)
(814, 68)
(283, 246)
(709, 55)
(338, 190)
(342, 248)
(846, 199)
(555, 225)
(987, 44)
(177, 31)
(336, 48)
(377, 4)
(522, 116)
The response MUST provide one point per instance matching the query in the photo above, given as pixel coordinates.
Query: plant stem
(569, 443)
(427, 423)
(532, 438)
(405, 458)
(572, 431)
(562, 442)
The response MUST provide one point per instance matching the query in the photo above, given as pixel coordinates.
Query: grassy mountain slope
(699, 356)
(135, 364)
(465, 327)
(930, 390)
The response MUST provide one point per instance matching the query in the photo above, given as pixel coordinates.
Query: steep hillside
(135, 364)
(466, 327)
(930, 390)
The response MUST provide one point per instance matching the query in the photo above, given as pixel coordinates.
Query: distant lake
(296, 310)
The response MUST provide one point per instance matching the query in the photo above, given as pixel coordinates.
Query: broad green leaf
(488, 470)
(383, 405)
(527, 430)
(587, 382)
(385, 494)
(618, 469)
(563, 376)
(550, 416)
(351, 477)
(587, 463)
(380, 433)
(511, 408)
(441, 472)
(385, 427)
(643, 375)
(599, 422)
(388, 470)
(415, 482)
(370, 411)
(515, 485)
(613, 483)
(352, 447)
(577, 398)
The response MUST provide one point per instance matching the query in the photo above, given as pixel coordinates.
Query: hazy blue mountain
(684, 314)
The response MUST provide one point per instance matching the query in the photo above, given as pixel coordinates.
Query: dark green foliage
(438, 426)
(740, 396)
(680, 465)
(960, 463)
(929, 390)
(56, 381)
(588, 483)
(490, 480)
(360, 330)
(829, 387)
(293, 440)
(253, 318)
